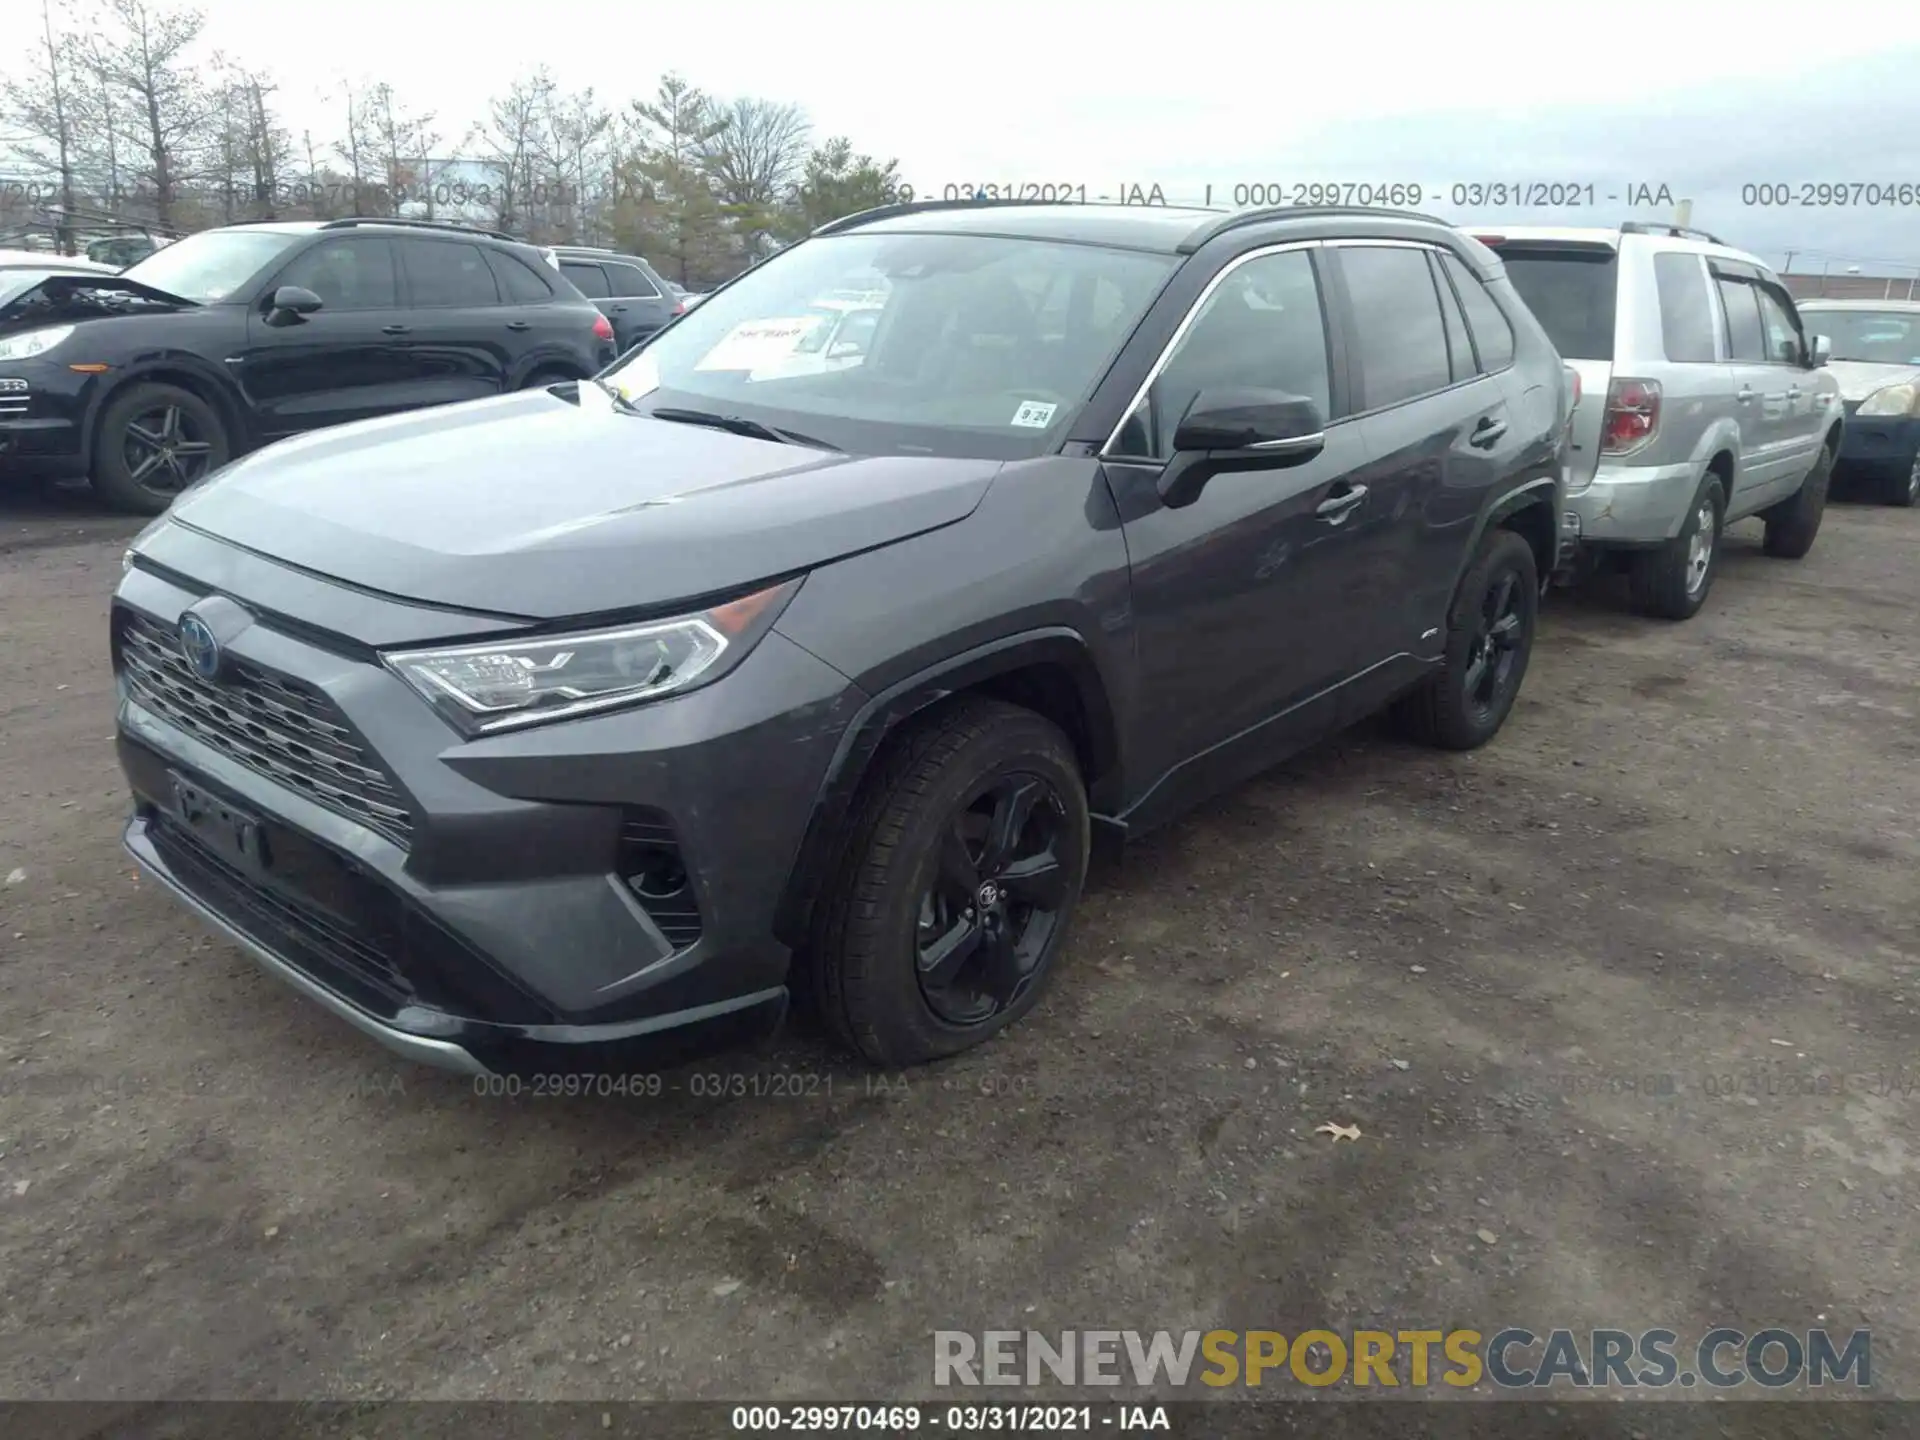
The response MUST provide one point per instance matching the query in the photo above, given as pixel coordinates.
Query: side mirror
(1822, 351)
(291, 300)
(1239, 430)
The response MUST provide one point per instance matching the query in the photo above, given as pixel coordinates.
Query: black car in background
(629, 291)
(757, 670)
(146, 381)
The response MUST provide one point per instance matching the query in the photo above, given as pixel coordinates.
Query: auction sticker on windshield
(754, 343)
(1034, 414)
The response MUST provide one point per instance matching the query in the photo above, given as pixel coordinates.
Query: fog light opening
(660, 876)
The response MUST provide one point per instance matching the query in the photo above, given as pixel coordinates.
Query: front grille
(276, 727)
(278, 922)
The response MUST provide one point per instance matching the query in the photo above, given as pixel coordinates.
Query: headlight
(1891, 400)
(34, 342)
(507, 683)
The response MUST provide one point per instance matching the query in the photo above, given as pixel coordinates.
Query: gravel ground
(1633, 992)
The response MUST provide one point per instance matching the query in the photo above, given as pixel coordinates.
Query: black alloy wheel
(1493, 667)
(995, 902)
(166, 449)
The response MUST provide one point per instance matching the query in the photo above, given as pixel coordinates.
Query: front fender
(170, 367)
(886, 712)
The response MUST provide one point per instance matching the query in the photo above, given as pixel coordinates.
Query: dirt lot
(1567, 987)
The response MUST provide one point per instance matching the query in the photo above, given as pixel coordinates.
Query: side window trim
(1329, 326)
(1441, 256)
(1358, 394)
(1437, 263)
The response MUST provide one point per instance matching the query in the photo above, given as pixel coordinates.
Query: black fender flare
(221, 390)
(894, 706)
(1512, 502)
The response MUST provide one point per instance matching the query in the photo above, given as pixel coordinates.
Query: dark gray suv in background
(527, 731)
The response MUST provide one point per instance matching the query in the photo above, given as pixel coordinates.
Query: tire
(895, 901)
(139, 465)
(1903, 494)
(1489, 641)
(1672, 582)
(1792, 524)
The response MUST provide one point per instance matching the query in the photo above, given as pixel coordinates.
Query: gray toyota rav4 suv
(1703, 399)
(522, 732)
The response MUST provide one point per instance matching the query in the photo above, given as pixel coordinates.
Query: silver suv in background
(1876, 359)
(1703, 400)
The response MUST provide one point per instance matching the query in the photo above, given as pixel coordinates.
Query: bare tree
(358, 148)
(510, 140)
(578, 128)
(755, 161)
(266, 144)
(144, 52)
(41, 110)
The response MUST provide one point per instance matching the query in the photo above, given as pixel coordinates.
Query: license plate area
(233, 834)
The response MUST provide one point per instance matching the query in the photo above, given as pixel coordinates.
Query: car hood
(534, 505)
(1860, 378)
(63, 299)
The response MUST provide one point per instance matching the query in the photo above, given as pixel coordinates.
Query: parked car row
(148, 379)
(811, 649)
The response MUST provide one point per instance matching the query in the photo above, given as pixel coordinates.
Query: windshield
(211, 266)
(1570, 293)
(957, 345)
(1879, 337)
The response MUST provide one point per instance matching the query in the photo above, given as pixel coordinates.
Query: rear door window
(1570, 292)
(1686, 310)
(590, 280)
(1397, 330)
(519, 281)
(444, 274)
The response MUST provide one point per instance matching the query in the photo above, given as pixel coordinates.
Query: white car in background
(838, 339)
(57, 264)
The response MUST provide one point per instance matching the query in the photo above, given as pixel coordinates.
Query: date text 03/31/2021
(1383, 194)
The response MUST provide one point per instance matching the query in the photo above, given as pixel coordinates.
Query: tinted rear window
(1570, 293)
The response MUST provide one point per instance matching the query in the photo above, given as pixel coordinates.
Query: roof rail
(587, 249)
(1678, 232)
(916, 207)
(1234, 219)
(352, 220)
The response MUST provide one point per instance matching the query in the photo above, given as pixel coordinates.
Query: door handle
(1487, 431)
(519, 325)
(1335, 507)
(1746, 394)
(396, 329)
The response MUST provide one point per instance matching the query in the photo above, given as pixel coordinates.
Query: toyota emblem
(200, 647)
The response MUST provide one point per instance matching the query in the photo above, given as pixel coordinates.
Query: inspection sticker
(1033, 414)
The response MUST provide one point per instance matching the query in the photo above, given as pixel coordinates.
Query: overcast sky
(1702, 98)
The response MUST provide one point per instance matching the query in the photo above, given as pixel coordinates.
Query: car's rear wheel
(964, 863)
(1792, 524)
(1672, 582)
(154, 441)
(1489, 642)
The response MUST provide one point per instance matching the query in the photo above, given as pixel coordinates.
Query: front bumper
(497, 927)
(1878, 448)
(43, 407)
(1633, 504)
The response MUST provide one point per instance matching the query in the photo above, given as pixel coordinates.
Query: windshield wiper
(738, 425)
